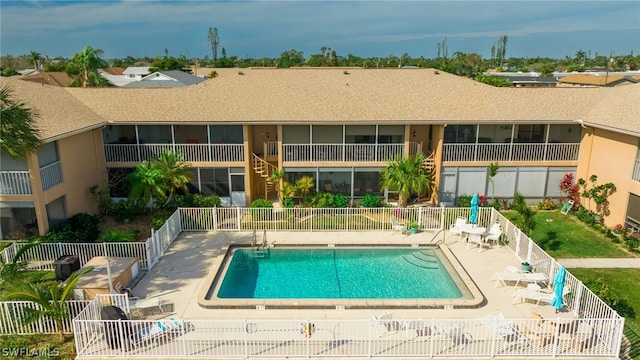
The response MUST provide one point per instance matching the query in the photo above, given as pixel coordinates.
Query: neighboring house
(136, 72)
(166, 79)
(585, 80)
(531, 79)
(341, 127)
(116, 76)
(57, 78)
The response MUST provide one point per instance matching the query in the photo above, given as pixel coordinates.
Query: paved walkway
(601, 263)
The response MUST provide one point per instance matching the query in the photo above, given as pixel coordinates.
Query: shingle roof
(163, 79)
(60, 114)
(54, 78)
(591, 79)
(313, 95)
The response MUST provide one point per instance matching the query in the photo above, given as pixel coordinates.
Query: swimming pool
(303, 276)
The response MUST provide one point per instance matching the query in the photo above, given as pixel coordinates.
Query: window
(215, 182)
(56, 212)
(48, 154)
(460, 134)
(226, 134)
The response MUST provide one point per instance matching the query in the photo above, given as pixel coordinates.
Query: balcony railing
(510, 152)
(636, 171)
(51, 175)
(191, 152)
(15, 183)
(341, 152)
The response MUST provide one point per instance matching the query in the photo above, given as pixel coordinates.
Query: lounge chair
(396, 226)
(138, 305)
(518, 277)
(494, 234)
(539, 296)
(456, 228)
(144, 333)
(386, 322)
(505, 330)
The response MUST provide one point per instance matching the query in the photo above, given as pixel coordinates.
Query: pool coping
(476, 299)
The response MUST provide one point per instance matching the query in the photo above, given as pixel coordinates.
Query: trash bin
(112, 333)
(65, 266)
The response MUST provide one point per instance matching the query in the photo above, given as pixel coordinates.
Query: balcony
(191, 152)
(15, 183)
(511, 152)
(51, 175)
(341, 152)
(636, 171)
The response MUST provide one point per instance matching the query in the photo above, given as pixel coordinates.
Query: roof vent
(436, 72)
(240, 72)
(346, 72)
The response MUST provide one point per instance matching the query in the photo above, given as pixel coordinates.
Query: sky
(369, 28)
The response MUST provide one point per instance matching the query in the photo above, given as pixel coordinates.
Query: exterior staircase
(264, 169)
(429, 163)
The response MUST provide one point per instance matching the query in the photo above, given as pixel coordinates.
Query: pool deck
(183, 273)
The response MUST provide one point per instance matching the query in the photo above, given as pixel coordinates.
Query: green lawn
(623, 284)
(564, 236)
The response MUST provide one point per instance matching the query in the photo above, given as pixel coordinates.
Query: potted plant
(525, 266)
(413, 225)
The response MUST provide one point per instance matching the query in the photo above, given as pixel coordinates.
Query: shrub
(113, 235)
(371, 201)
(464, 200)
(632, 243)
(288, 203)
(495, 203)
(159, 218)
(547, 204)
(207, 201)
(81, 227)
(340, 201)
(261, 203)
(106, 206)
(321, 200)
(127, 209)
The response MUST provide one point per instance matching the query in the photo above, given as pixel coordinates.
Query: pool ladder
(260, 249)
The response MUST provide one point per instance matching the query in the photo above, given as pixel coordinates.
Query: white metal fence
(596, 332)
(14, 315)
(319, 338)
(320, 219)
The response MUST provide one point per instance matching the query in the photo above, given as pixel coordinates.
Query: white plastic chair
(138, 305)
(494, 234)
(456, 228)
(475, 239)
(385, 321)
(396, 226)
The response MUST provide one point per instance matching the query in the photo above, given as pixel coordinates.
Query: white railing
(354, 338)
(313, 219)
(43, 256)
(162, 238)
(510, 152)
(190, 152)
(636, 171)
(15, 183)
(271, 148)
(13, 315)
(341, 152)
(51, 175)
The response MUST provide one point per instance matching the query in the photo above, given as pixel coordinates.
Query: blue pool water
(338, 273)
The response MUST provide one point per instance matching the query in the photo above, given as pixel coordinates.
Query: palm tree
(492, 171)
(18, 131)
(406, 176)
(174, 170)
(147, 181)
(52, 302)
(84, 67)
(36, 59)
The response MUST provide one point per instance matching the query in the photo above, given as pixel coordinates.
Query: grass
(31, 277)
(37, 346)
(564, 236)
(619, 281)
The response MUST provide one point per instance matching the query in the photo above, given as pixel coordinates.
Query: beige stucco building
(337, 125)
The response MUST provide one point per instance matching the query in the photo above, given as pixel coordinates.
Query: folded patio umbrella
(475, 204)
(558, 288)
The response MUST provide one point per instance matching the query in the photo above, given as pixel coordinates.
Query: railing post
(239, 218)
(442, 217)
